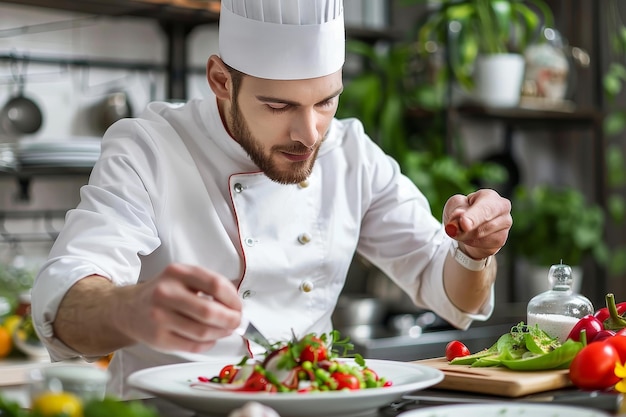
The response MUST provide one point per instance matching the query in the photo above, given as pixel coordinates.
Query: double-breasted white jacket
(173, 186)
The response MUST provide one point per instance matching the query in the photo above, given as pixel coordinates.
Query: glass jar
(557, 310)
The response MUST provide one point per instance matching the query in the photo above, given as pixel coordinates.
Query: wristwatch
(467, 262)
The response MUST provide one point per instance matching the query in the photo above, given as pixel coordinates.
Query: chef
(251, 204)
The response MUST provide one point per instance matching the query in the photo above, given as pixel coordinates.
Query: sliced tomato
(258, 382)
(456, 349)
(228, 373)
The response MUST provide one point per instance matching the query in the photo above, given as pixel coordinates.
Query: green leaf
(615, 168)
(111, 407)
(616, 207)
(614, 123)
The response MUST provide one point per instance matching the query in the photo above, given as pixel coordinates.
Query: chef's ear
(219, 78)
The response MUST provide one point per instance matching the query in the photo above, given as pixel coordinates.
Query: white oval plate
(172, 382)
(505, 409)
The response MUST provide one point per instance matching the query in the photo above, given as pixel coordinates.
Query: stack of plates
(75, 152)
(8, 158)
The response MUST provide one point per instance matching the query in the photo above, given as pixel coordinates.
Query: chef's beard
(297, 171)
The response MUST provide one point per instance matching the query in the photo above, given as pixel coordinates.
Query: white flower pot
(498, 79)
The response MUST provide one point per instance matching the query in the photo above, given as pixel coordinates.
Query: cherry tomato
(346, 381)
(258, 382)
(591, 324)
(227, 374)
(314, 351)
(619, 343)
(593, 368)
(456, 349)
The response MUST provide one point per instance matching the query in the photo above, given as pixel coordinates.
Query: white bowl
(86, 381)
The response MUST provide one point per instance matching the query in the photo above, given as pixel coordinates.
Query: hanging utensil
(114, 106)
(20, 115)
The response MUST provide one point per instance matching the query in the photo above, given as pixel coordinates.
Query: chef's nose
(304, 129)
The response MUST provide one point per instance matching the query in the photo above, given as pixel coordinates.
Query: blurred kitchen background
(70, 68)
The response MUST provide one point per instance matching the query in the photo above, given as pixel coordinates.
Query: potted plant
(484, 40)
(552, 224)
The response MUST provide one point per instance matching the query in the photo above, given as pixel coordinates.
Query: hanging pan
(20, 115)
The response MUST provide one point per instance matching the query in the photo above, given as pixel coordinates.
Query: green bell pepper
(560, 358)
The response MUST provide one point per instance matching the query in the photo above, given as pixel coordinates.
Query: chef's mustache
(299, 148)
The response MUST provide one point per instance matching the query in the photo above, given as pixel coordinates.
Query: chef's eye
(278, 107)
(327, 103)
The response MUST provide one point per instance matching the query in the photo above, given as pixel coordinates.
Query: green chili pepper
(614, 321)
(560, 358)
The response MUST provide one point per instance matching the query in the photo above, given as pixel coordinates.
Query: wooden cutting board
(497, 380)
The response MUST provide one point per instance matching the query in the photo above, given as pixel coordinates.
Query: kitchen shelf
(177, 18)
(520, 116)
(189, 12)
(547, 120)
(24, 176)
(531, 117)
(47, 230)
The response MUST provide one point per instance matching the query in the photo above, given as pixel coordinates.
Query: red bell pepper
(615, 321)
(590, 324)
(603, 335)
(603, 313)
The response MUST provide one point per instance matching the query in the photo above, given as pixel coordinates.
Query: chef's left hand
(480, 222)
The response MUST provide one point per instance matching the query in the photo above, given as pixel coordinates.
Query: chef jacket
(173, 186)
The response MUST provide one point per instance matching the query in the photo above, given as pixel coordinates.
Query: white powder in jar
(556, 325)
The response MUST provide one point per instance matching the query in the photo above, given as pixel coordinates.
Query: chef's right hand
(170, 313)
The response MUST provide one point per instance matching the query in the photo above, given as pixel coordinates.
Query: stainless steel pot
(359, 309)
(113, 107)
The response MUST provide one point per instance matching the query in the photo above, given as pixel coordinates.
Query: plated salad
(305, 365)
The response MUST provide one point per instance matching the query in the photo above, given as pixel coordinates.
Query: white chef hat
(282, 39)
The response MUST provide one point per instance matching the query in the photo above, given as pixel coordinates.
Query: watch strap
(470, 263)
